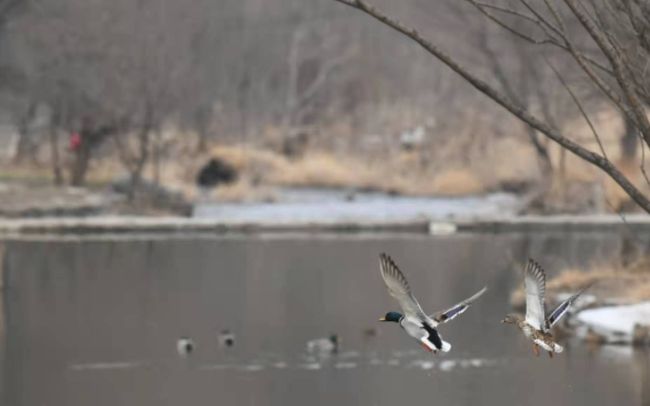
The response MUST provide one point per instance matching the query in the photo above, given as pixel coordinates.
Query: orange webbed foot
(536, 350)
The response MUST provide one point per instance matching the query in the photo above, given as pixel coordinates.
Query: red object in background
(75, 141)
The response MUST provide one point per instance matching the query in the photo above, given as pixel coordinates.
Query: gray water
(95, 322)
(340, 205)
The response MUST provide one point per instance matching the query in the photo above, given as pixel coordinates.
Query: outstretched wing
(561, 310)
(455, 310)
(399, 288)
(535, 286)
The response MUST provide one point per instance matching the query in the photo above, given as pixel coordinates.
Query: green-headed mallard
(414, 321)
(535, 325)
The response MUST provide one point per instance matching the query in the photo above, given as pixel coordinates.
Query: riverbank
(141, 224)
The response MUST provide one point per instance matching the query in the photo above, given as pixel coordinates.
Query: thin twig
(643, 171)
(555, 15)
(621, 76)
(481, 8)
(505, 11)
(542, 19)
(579, 105)
(627, 226)
(550, 40)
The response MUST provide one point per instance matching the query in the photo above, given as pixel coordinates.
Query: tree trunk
(143, 153)
(201, 124)
(136, 172)
(92, 138)
(80, 164)
(202, 142)
(156, 156)
(541, 152)
(54, 149)
(629, 140)
(25, 146)
(293, 62)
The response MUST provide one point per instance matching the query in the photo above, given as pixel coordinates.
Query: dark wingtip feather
(535, 268)
(389, 267)
(533, 264)
(387, 260)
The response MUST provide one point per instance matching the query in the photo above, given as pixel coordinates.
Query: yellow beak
(382, 319)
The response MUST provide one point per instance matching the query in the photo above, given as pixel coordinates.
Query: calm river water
(94, 321)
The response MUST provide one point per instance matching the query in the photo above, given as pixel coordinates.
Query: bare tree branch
(580, 108)
(505, 10)
(562, 42)
(543, 20)
(642, 164)
(558, 19)
(499, 98)
(482, 7)
(621, 75)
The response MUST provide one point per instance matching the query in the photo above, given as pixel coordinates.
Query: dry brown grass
(640, 292)
(326, 170)
(455, 160)
(491, 164)
(457, 182)
(510, 159)
(398, 174)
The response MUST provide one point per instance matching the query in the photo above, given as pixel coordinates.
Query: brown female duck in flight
(535, 325)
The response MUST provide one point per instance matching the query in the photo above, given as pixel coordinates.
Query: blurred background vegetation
(301, 93)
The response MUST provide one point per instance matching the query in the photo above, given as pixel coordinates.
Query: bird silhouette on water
(226, 339)
(185, 346)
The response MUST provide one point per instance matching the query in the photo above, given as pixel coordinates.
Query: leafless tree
(109, 70)
(122, 71)
(310, 66)
(610, 69)
(234, 68)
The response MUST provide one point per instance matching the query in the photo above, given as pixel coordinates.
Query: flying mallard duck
(414, 321)
(536, 326)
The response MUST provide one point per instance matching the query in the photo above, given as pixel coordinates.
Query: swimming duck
(184, 346)
(414, 321)
(226, 338)
(535, 325)
(324, 345)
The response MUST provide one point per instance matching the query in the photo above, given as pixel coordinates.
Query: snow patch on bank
(614, 324)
